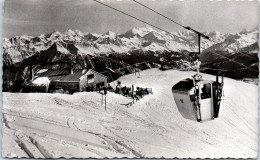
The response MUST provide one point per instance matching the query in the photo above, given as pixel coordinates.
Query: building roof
(97, 73)
(64, 75)
(53, 72)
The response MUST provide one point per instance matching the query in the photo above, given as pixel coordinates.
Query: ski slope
(58, 125)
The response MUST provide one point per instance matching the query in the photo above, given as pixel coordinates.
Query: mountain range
(140, 48)
(18, 48)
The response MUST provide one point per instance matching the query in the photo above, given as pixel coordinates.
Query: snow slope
(60, 125)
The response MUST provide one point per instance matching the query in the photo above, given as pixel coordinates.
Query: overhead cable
(133, 17)
(186, 27)
(159, 13)
(170, 32)
(236, 62)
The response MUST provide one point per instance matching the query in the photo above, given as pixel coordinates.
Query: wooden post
(217, 86)
(102, 99)
(133, 93)
(105, 102)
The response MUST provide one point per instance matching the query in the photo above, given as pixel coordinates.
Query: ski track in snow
(42, 125)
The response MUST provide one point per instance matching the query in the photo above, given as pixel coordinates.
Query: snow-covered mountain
(235, 42)
(146, 39)
(141, 47)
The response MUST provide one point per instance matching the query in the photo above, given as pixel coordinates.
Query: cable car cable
(186, 27)
(237, 62)
(133, 17)
(230, 60)
(200, 34)
(240, 52)
(213, 68)
(159, 13)
(248, 56)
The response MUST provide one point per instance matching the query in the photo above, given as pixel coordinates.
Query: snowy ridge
(138, 38)
(235, 42)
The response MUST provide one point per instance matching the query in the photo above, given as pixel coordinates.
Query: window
(90, 76)
(192, 94)
(100, 85)
(205, 91)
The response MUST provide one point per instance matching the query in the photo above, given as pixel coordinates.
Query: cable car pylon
(194, 55)
(196, 99)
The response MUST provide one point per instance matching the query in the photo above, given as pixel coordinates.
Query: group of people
(140, 92)
(130, 92)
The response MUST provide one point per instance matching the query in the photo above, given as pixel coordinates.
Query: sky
(35, 17)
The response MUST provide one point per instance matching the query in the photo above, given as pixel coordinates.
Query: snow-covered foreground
(60, 125)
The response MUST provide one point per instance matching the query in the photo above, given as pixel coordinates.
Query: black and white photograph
(130, 79)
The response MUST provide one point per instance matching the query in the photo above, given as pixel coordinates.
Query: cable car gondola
(198, 99)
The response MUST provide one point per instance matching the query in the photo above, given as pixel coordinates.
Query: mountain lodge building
(64, 80)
